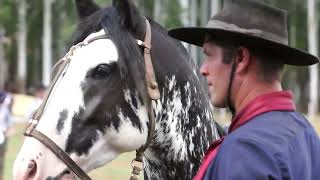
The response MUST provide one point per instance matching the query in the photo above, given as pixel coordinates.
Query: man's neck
(247, 93)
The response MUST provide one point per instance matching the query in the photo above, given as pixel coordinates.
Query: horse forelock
(130, 62)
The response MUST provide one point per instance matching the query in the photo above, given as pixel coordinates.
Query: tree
(313, 49)
(215, 6)
(193, 7)
(47, 42)
(3, 64)
(7, 24)
(21, 44)
(158, 11)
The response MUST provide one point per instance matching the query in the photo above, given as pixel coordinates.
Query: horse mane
(176, 42)
(130, 62)
(103, 17)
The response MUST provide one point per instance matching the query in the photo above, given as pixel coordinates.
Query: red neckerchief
(275, 101)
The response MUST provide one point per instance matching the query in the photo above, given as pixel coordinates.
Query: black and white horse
(95, 110)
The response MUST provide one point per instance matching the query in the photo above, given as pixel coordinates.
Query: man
(38, 91)
(5, 123)
(246, 47)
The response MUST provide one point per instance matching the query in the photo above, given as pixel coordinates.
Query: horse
(96, 107)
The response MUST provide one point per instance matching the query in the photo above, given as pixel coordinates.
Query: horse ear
(130, 16)
(86, 8)
(131, 20)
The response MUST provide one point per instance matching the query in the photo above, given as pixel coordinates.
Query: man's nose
(204, 70)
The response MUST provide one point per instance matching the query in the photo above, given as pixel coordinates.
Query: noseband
(153, 94)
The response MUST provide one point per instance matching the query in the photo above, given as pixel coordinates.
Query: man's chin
(217, 104)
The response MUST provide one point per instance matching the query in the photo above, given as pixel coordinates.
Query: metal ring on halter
(140, 163)
(136, 169)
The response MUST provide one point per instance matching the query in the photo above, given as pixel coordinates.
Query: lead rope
(153, 94)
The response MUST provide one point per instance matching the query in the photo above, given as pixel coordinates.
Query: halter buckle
(137, 167)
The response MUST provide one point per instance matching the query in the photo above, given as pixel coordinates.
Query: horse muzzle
(30, 172)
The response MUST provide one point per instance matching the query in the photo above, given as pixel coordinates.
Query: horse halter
(153, 94)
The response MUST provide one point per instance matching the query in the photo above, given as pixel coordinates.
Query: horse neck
(184, 123)
(184, 130)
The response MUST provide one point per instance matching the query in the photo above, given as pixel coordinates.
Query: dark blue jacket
(273, 145)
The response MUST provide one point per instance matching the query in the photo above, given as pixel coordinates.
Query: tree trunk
(3, 65)
(215, 6)
(22, 44)
(184, 13)
(313, 49)
(205, 12)
(193, 22)
(292, 72)
(158, 13)
(47, 42)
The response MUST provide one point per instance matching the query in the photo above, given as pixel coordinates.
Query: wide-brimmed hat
(250, 23)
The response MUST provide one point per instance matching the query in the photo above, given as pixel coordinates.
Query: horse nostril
(32, 169)
(66, 172)
(66, 175)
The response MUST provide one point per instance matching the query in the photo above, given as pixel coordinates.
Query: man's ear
(85, 8)
(243, 59)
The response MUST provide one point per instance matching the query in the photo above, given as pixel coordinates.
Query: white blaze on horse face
(66, 95)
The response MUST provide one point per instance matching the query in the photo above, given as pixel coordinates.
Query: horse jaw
(105, 149)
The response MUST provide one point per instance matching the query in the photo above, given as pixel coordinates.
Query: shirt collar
(275, 101)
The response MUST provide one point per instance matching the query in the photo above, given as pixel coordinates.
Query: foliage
(173, 15)
(8, 21)
(64, 21)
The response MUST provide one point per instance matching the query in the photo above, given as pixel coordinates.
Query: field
(117, 169)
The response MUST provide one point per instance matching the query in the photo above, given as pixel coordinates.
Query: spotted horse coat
(96, 110)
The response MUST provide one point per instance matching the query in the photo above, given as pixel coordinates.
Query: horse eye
(101, 71)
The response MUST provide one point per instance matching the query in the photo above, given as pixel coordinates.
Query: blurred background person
(6, 102)
(38, 91)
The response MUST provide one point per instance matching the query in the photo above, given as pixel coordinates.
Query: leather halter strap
(153, 94)
(31, 130)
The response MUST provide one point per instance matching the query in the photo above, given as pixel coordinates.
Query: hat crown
(255, 15)
(250, 23)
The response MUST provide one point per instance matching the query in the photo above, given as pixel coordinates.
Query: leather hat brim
(289, 55)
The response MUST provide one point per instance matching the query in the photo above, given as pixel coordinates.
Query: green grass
(120, 168)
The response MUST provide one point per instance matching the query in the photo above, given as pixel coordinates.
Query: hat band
(253, 32)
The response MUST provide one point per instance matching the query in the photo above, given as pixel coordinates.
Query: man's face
(216, 72)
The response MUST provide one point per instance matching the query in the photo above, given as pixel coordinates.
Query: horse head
(97, 108)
